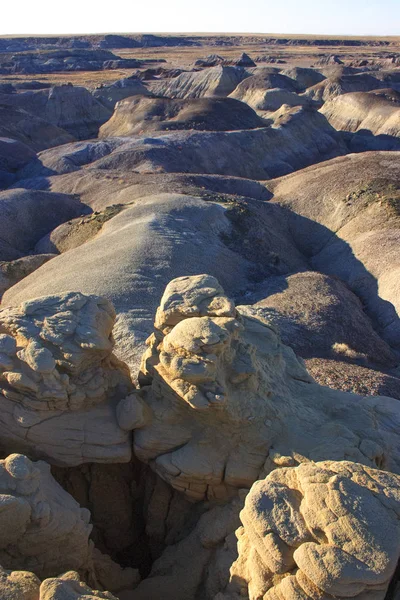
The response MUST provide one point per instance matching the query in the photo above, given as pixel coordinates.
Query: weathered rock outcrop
(45, 532)
(227, 401)
(69, 587)
(42, 528)
(59, 381)
(321, 530)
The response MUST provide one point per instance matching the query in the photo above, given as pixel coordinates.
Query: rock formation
(227, 401)
(321, 530)
(303, 137)
(59, 381)
(36, 515)
(73, 109)
(353, 212)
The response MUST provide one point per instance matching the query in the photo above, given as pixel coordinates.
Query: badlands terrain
(199, 320)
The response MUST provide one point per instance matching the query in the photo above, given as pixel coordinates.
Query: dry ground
(184, 56)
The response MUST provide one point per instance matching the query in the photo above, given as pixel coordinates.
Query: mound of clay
(244, 60)
(364, 111)
(322, 530)
(29, 129)
(75, 232)
(330, 59)
(217, 81)
(139, 115)
(13, 271)
(302, 138)
(101, 189)
(109, 95)
(318, 316)
(271, 100)
(340, 212)
(342, 83)
(353, 378)
(13, 156)
(212, 60)
(69, 107)
(68, 158)
(304, 77)
(27, 215)
(252, 87)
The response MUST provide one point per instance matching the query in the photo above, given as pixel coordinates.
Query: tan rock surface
(225, 401)
(69, 587)
(59, 381)
(18, 585)
(321, 530)
(42, 528)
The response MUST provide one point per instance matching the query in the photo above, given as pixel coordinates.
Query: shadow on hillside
(365, 141)
(308, 234)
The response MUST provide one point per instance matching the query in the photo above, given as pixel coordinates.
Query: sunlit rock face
(59, 381)
(223, 401)
(321, 530)
(43, 529)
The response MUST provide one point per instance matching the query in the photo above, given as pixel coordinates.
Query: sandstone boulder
(42, 528)
(321, 530)
(59, 381)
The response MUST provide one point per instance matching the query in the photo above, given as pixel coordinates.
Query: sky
(326, 17)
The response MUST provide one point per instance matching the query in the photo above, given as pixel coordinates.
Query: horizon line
(199, 33)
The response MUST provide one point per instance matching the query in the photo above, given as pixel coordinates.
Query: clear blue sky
(331, 17)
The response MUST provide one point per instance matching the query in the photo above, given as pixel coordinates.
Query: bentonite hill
(199, 320)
